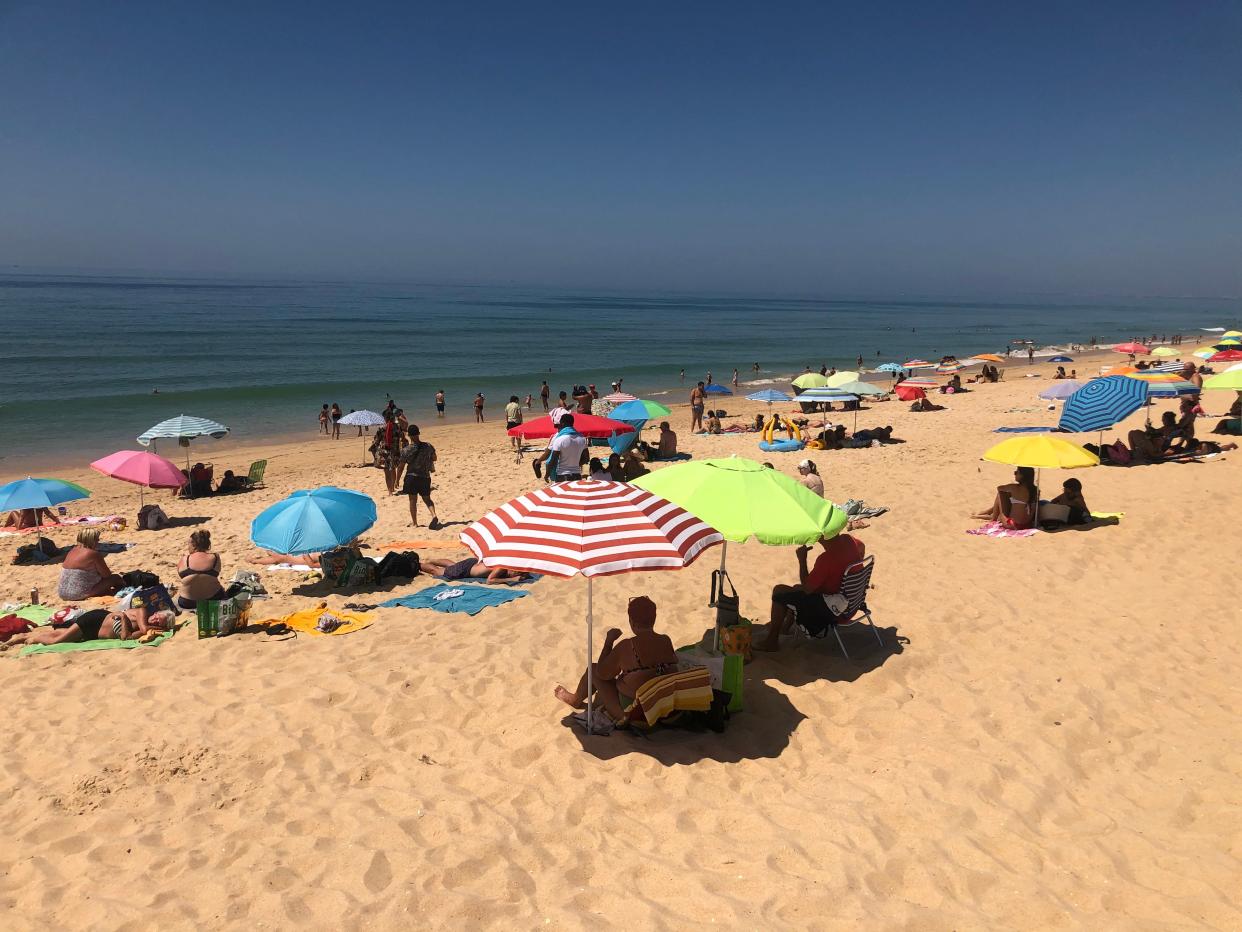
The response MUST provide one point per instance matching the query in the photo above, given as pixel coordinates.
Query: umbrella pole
(724, 549)
(590, 662)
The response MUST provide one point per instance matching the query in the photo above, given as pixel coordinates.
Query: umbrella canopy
(858, 387)
(589, 527)
(39, 493)
(1230, 355)
(1101, 403)
(1136, 349)
(918, 364)
(909, 392)
(1062, 390)
(897, 367)
(1224, 345)
(313, 520)
(742, 499)
(1041, 451)
(141, 468)
(1061, 359)
(1117, 370)
(638, 410)
(837, 379)
(715, 388)
(618, 398)
(1202, 354)
(768, 395)
(1233, 333)
(1165, 351)
(183, 427)
(948, 368)
(810, 380)
(1229, 379)
(363, 418)
(589, 425)
(827, 394)
(990, 357)
(920, 381)
(1174, 389)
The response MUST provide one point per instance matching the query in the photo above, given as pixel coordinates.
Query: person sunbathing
(882, 434)
(30, 518)
(625, 665)
(85, 573)
(199, 572)
(926, 404)
(1015, 502)
(96, 624)
(470, 568)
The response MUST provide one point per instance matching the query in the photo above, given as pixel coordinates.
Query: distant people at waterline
(334, 419)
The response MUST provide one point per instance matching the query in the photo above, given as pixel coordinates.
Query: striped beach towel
(688, 690)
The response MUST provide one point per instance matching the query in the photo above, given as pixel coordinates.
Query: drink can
(34, 595)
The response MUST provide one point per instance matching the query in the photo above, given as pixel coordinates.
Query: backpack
(405, 565)
(11, 625)
(152, 518)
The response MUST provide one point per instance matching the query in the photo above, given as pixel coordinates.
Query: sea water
(88, 363)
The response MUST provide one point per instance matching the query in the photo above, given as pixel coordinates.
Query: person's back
(840, 553)
(668, 442)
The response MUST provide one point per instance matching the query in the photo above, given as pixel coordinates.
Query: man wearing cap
(813, 611)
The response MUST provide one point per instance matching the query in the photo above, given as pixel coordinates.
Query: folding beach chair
(854, 585)
(254, 478)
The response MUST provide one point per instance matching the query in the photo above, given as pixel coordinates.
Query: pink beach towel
(996, 529)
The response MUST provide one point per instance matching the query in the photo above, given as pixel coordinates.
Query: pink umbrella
(1131, 349)
(141, 468)
(586, 424)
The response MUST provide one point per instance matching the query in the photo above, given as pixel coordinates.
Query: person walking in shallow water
(440, 403)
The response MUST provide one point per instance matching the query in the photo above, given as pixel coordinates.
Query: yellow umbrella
(1041, 451)
(1164, 351)
(990, 357)
(1232, 333)
(1230, 380)
(840, 378)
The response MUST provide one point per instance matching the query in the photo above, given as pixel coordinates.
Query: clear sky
(810, 147)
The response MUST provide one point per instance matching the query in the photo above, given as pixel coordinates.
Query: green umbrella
(639, 410)
(811, 380)
(1229, 379)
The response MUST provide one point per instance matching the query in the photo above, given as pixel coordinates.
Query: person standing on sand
(513, 417)
(544, 392)
(1030, 356)
(478, 408)
(530, 401)
(323, 419)
(697, 398)
(440, 403)
(335, 418)
(389, 449)
(418, 462)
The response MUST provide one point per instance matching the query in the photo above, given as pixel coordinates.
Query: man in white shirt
(568, 448)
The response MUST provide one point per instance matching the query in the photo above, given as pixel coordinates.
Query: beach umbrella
(1133, 349)
(1230, 355)
(143, 469)
(1233, 333)
(1230, 379)
(589, 528)
(313, 520)
(1062, 390)
(360, 419)
(1202, 354)
(909, 392)
(810, 380)
(837, 379)
(826, 394)
(948, 368)
(858, 387)
(1225, 345)
(715, 388)
(921, 381)
(1174, 389)
(638, 410)
(618, 398)
(1102, 403)
(1061, 359)
(989, 357)
(183, 428)
(39, 493)
(1041, 451)
(1117, 370)
(1165, 351)
(918, 364)
(589, 425)
(894, 368)
(768, 395)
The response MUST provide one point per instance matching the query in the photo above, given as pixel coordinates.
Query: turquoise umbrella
(638, 410)
(313, 520)
(39, 493)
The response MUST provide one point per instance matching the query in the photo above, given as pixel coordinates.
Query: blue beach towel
(473, 599)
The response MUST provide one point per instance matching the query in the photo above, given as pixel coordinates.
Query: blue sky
(792, 147)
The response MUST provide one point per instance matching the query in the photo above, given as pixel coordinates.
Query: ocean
(91, 362)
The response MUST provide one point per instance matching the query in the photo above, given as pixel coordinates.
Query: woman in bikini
(1015, 502)
(94, 625)
(199, 571)
(625, 665)
(469, 568)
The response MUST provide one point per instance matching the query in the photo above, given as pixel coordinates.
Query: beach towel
(1108, 515)
(308, 621)
(39, 614)
(468, 599)
(688, 690)
(101, 644)
(997, 529)
(67, 523)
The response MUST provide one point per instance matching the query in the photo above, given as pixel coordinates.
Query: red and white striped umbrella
(590, 527)
(617, 398)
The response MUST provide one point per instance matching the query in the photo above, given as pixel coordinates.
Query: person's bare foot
(568, 698)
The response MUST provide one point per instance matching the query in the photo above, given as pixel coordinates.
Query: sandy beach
(1049, 739)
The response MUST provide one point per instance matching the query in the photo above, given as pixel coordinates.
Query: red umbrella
(1137, 349)
(586, 424)
(1229, 355)
(909, 392)
(593, 528)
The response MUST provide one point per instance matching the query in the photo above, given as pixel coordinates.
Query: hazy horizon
(817, 149)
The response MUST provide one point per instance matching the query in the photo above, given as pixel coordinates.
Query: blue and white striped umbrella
(826, 394)
(1167, 367)
(183, 427)
(1172, 389)
(1101, 403)
(768, 395)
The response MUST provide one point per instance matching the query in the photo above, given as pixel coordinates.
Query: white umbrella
(363, 418)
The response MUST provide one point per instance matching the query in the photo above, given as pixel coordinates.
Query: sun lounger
(254, 478)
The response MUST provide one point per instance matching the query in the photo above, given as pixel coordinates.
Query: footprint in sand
(379, 874)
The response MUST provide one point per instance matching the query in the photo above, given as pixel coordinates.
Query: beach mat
(998, 530)
(39, 614)
(306, 620)
(100, 644)
(468, 599)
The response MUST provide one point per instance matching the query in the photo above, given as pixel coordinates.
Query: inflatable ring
(779, 421)
(780, 446)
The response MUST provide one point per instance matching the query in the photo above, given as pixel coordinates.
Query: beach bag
(725, 671)
(152, 518)
(405, 564)
(360, 571)
(11, 625)
(735, 641)
(220, 618)
(153, 599)
(725, 602)
(335, 562)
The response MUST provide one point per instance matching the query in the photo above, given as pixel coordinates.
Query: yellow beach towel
(307, 621)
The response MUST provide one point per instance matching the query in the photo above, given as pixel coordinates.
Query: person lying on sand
(93, 625)
(30, 517)
(926, 404)
(1015, 502)
(625, 665)
(807, 597)
(470, 568)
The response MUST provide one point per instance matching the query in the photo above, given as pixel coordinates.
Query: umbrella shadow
(762, 731)
(185, 522)
(809, 660)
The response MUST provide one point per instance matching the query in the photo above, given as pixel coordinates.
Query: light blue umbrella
(1062, 390)
(313, 520)
(890, 367)
(769, 395)
(638, 410)
(39, 493)
(1101, 403)
(1061, 359)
